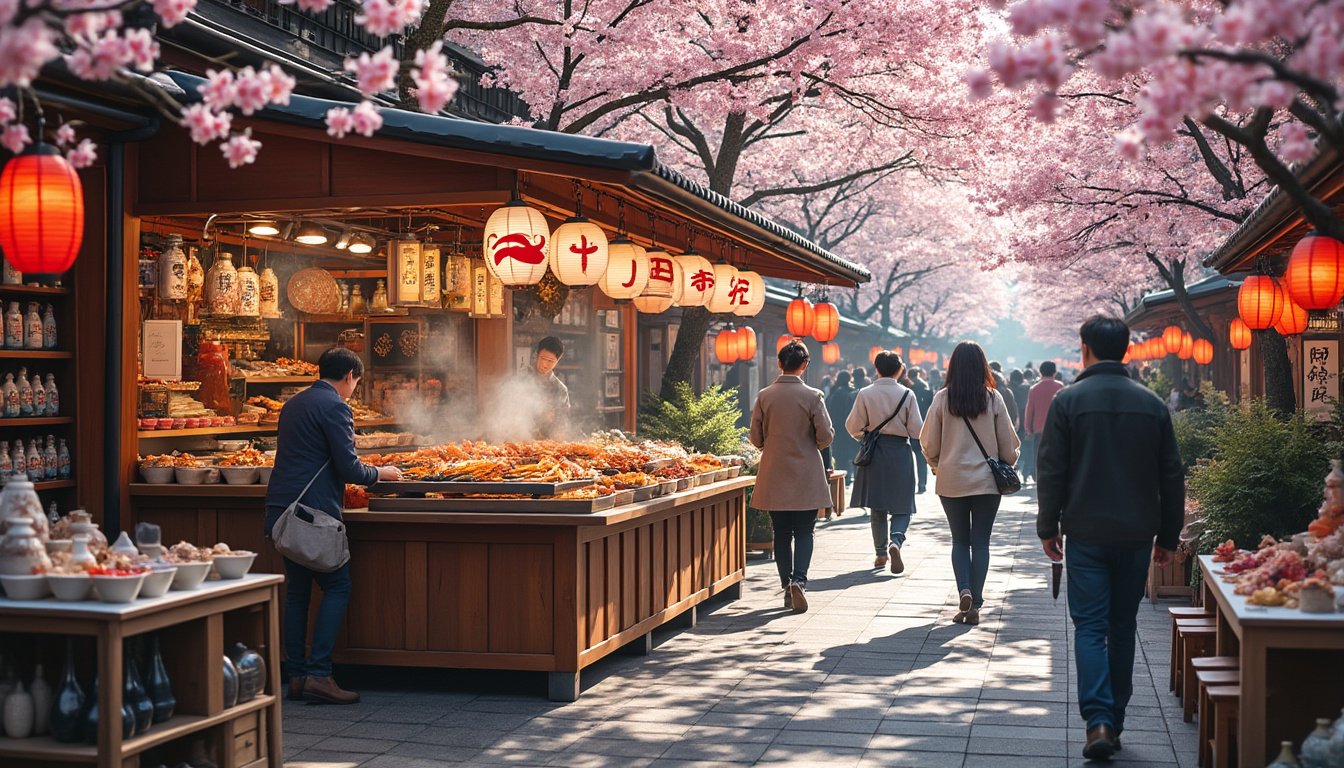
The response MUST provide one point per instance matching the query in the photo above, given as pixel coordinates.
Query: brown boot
(894, 554)
(296, 687)
(1100, 743)
(324, 690)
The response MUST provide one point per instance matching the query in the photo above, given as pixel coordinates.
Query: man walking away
(1038, 405)
(923, 398)
(1109, 480)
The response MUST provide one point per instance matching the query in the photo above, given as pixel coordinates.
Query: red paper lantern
(1293, 319)
(799, 317)
(1239, 334)
(898, 351)
(916, 357)
(1259, 302)
(825, 321)
(873, 352)
(1187, 349)
(1129, 354)
(782, 342)
(1315, 275)
(725, 346)
(1171, 338)
(41, 211)
(830, 353)
(746, 344)
(932, 359)
(1203, 351)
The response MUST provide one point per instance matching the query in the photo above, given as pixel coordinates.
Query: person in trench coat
(790, 425)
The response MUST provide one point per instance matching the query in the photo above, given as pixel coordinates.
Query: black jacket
(315, 426)
(923, 396)
(1108, 470)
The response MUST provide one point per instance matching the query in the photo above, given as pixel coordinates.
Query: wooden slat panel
(293, 168)
(378, 596)
(456, 585)
(597, 592)
(613, 594)
(417, 598)
(581, 591)
(644, 571)
(685, 557)
(522, 612)
(658, 564)
(629, 583)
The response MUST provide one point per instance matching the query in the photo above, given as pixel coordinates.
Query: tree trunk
(1280, 392)
(695, 323)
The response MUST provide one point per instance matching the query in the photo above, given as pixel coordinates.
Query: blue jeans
(971, 521)
(921, 465)
(793, 544)
(335, 588)
(900, 523)
(1106, 583)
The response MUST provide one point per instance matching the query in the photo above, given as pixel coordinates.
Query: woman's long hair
(969, 380)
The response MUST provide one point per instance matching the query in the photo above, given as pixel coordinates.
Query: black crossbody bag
(1005, 477)
(868, 445)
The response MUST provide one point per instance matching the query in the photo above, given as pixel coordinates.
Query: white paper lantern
(697, 281)
(657, 295)
(725, 289)
(515, 244)
(752, 300)
(678, 283)
(578, 252)
(627, 270)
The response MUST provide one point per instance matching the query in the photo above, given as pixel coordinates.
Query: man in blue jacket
(316, 444)
(1110, 481)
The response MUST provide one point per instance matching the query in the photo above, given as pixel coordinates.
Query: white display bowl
(70, 587)
(194, 475)
(158, 580)
(118, 589)
(234, 566)
(240, 475)
(157, 475)
(264, 474)
(190, 575)
(25, 587)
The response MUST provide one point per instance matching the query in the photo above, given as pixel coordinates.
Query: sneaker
(894, 552)
(799, 595)
(965, 604)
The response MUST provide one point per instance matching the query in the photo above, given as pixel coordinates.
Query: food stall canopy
(629, 170)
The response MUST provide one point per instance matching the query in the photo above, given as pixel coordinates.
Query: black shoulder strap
(879, 427)
(978, 444)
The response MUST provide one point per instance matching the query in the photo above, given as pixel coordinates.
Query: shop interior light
(361, 242)
(343, 241)
(266, 228)
(309, 233)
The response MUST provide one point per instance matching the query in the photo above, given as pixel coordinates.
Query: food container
(152, 551)
(264, 475)
(196, 475)
(70, 587)
(118, 589)
(234, 566)
(233, 446)
(239, 475)
(666, 487)
(25, 587)
(150, 423)
(216, 421)
(685, 483)
(164, 424)
(158, 580)
(190, 575)
(156, 475)
(734, 471)
(180, 423)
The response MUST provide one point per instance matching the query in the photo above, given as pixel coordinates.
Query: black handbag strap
(976, 437)
(879, 427)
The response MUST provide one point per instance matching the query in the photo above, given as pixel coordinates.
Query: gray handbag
(310, 537)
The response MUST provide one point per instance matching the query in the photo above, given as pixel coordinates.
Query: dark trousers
(971, 520)
(1027, 464)
(921, 466)
(1106, 584)
(335, 588)
(793, 544)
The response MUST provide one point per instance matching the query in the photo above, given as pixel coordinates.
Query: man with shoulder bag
(315, 458)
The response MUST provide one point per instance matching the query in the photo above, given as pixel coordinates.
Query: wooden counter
(543, 592)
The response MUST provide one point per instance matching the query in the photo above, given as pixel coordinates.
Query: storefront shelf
(281, 380)
(37, 421)
(237, 430)
(51, 485)
(32, 290)
(34, 354)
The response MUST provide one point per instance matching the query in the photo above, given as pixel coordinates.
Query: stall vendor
(554, 406)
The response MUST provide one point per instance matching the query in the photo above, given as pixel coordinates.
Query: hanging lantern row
(1239, 334)
(830, 353)
(1203, 351)
(800, 316)
(1314, 278)
(733, 345)
(1259, 302)
(825, 322)
(1187, 349)
(1172, 337)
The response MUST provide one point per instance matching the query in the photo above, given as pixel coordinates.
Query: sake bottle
(13, 327)
(18, 460)
(50, 460)
(49, 327)
(11, 392)
(33, 460)
(25, 393)
(53, 396)
(39, 395)
(6, 464)
(32, 328)
(12, 276)
(63, 466)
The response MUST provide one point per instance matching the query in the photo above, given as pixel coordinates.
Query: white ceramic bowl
(25, 587)
(156, 475)
(234, 566)
(193, 475)
(190, 575)
(118, 589)
(59, 545)
(233, 446)
(70, 587)
(239, 475)
(264, 475)
(158, 580)
(152, 551)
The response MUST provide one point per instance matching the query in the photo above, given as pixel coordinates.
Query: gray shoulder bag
(310, 537)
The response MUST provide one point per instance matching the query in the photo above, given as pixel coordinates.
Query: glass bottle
(6, 464)
(11, 392)
(49, 327)
(50, 460)
(358, 305)
(269, 292)
(33, 460)
(379, 301)
(68, 704)
(133, 693)
(173, 271)
(1316, 747)
(63, 466)
(13, 326)
(39, 395)
(32, 327)
(12, 276)
(25, 393)
(249, 293)
(158, 685)
(345, 298)
(53, 396)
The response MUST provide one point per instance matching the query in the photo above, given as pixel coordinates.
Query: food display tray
(457, 488)
(527, 506)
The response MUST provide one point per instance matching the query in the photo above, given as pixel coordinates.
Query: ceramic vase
(81, 523)
(80, 554)
(221, 287)
(157, 684)
(19, 714)
(21, 552)
(1316, 747)
(230, 683)
(249, 293)
(1337, 741)
(41, 691)
(123, 545)
(19, 499)
(133, 695)
(173, 271)
(1285, 758)
(89, 723)
(268, 291)
(67, 707)
(251, 670)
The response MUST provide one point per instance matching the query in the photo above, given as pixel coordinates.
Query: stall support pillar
(562, 686)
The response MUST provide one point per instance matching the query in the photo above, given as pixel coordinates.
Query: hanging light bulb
(361, 242)
(309, 233)
(263, 228)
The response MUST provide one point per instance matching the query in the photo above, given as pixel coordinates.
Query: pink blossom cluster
(104, 56)
(386, 17)
(309, 6)
(240, 149)
(247, 89)
(364, 119)
(24, 50)
(79, 153)
(374, 73)
(173, 12)
(434, 84)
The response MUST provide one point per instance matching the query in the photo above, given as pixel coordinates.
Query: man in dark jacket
(1109, 479)
(315, 450)
(923, 398)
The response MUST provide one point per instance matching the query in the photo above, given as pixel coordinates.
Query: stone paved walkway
(875, 674)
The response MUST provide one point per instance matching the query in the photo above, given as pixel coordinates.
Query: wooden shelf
(37, 421)
(35, 354)
(52, 485)
(32, 290)
(280, 380)
(238, 430)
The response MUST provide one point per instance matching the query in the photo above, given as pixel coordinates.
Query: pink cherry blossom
(218, 91)
(65, 135)
(83, 155)
(339, 122)
(87, 26)
(173, 12)
(205, 125)
(240, 149)
(365, 119)
(24, 50)
(15, 137)
(251, 92)
(280, 84)
(980, 83)
(434, 86)
(142, 50)
(386, 17)
(1295, 146)
(375, 73)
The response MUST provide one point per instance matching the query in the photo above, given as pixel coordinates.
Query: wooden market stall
(1215, 299)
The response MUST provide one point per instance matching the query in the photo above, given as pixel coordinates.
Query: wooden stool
(1206, 679)
(1225, 701)
(1179, 650)
(1178, 614)
(1195, 641)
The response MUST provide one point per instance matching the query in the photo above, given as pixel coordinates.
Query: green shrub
(1161, 384)
(706, 423)
(1196, 432)
(1265, 477)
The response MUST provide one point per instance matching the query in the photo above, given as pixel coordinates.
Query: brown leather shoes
(798, 597)
(296, 687)
(1100, 743)
(880, 561)
(894, 552)
(324, 690)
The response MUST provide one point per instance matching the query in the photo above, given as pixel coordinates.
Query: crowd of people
(1101, 451)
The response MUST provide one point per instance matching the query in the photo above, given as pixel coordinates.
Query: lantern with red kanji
(1203, 351)
(873, 352)
(1259, 302)
(1293, 319)
(746, 343)
(1239, 334)
(826, 322)
(1187, 349)
(830, 353)
(41, 211)
(1314, 278)
(725, 346)
(799, 317)
(1172, 337)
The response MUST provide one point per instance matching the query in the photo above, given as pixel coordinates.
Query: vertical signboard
(1320, 377)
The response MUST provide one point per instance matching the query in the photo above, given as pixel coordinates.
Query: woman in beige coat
(967, 408)
(790, 425)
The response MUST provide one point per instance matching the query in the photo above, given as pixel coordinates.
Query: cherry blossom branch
(903, 162)
(1327, 92)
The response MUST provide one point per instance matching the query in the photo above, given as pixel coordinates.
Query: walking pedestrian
(838, 405)
(886, 486)
(790, 425)
(924, 398)
(1001, 385)
(1110, 481)
(965, 415)
(1033, 420)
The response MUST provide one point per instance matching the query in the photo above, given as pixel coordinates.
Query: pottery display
(1337, 741)
(269, 293)
(41, 692)
(80, 554)
(124, 545)
(133, 694)
(221, 287)
(81, 524)
(19, 499)
(157, 684)
(249, 293)
(1285, 758)
(18, 715)
(251, 669)
(173, 271)
(21, 552)
(88, 727)
(230, 683)
(67, 706)
(1316, 747)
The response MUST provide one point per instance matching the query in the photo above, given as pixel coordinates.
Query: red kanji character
(660, 269)
(738, 293)
(702, 281)
(583, 249)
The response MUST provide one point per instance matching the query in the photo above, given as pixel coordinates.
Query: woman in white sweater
(967, 408)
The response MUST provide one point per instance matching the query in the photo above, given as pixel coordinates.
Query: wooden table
(1291, 666)
(195, 627)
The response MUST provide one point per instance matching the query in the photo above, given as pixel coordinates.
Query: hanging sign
(403, 272)
(1320, 377)
(429, 275)
(457, 283)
